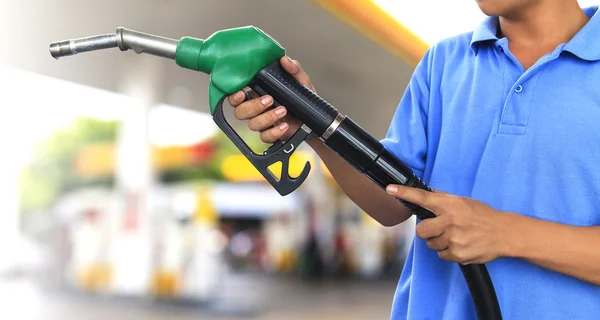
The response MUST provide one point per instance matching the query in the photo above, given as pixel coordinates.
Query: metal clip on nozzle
(124, 39)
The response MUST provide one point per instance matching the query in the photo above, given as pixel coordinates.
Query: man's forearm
(365, 193)
(570, 250)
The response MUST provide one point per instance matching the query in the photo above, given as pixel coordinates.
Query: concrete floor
(247, 298)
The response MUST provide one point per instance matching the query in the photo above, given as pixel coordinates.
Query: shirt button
(519, 88)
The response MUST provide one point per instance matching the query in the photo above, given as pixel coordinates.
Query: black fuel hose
(368, 156)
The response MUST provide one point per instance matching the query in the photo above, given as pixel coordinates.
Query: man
(506, 120)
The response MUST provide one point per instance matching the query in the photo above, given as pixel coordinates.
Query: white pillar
(131, 245)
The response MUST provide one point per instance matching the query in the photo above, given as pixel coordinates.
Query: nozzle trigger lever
(278, 152)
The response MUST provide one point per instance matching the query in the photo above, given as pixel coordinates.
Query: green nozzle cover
(188, 53)
(232, 57)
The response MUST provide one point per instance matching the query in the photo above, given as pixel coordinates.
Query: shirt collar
(486, 31)
(585, 44)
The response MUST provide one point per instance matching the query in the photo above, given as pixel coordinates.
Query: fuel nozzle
(232, 57)
(123, 39)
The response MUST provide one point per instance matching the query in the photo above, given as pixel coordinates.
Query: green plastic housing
(231, 57)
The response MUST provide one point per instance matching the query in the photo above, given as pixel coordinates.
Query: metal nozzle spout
(71, 47)
(60, 49)
(124, 39)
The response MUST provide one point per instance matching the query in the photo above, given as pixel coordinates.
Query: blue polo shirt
(474, 123)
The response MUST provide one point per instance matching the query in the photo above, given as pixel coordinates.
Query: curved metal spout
(123, 39)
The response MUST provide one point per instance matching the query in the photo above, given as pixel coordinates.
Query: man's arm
(361, 190)
(469, 231)
(570, 250)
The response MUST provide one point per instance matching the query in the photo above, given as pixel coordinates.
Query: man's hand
(464, 230)
(274, 124)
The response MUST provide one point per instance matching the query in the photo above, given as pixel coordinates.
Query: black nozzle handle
(303, 103)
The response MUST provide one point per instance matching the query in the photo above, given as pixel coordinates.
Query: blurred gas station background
(122, 199)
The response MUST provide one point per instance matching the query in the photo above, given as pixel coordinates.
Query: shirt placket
(517, 102)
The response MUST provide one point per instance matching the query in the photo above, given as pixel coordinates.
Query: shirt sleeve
(407, 135)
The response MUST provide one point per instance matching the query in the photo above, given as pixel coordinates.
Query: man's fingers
(267, 119)
(253, 108)
(294, 68)
(431, 228)
(461, 256)
(422, 198)
(438, 243)
(237, 98)
(273, 134)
